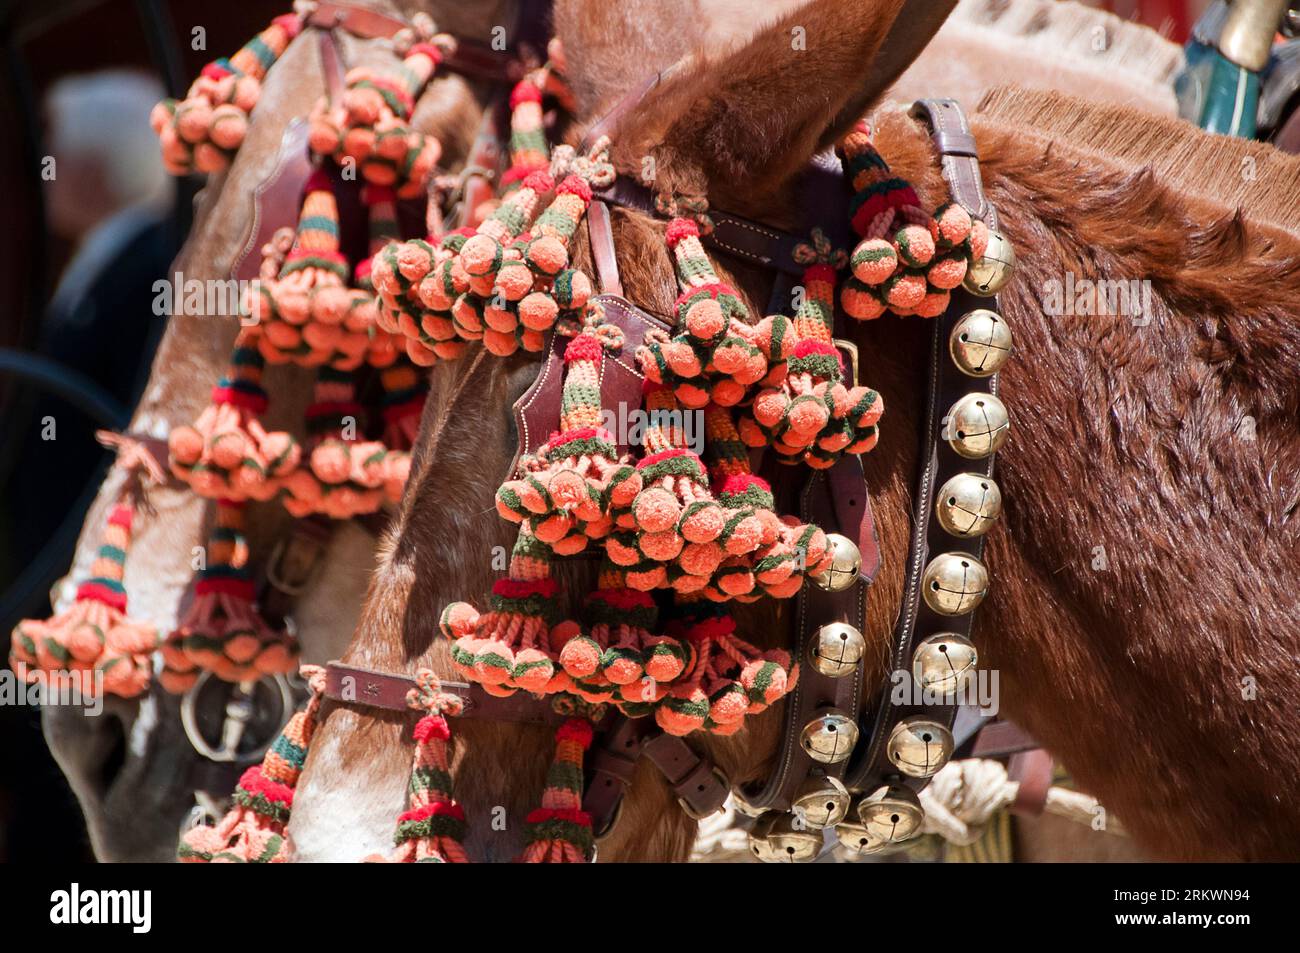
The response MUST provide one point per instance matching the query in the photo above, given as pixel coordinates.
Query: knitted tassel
(430, 831)
(370, 124)
(568, 489)
(383, 344)
(528, 149)
(227, 454)
(202, 132)
(514, 645)
(907, 262)
(254, 830)
(305, 313)
(223, 632)
(716, 354)
(730, 678)
(405, 391)
(559, 832)
(94, 637)
(409, 274)
(812, 417)
(345, 475)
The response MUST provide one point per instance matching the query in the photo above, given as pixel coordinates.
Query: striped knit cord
(316, 243)
(433, 819)
(580, 396)
(530, 558)
(259, 54)
(561, 218)
(881, 199)
(517, 210)
(560, 831)
(242, 384)
(727, 453)
(815, 318)
(226, 567)
(381, 214)
(528, 148)
(334, 398)
(283, 762)
(109, 567)
(415, 72)
(662, 431)
(694, 269)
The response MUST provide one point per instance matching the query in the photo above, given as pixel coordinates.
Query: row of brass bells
(784, 838)
(881, 820)
(919, 746)
(954, 583)
(846, 561)
(990, 274)
(830, 736)
(944, 663)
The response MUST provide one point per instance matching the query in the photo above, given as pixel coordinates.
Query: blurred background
(90, 222)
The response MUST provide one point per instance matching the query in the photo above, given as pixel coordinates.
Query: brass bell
(846, 560)
(856, 839)
(968, 505)
(919, 747)
(822, 802)
(836, 649)
(944, 663)
(991, 273)
(892, 813)
(977, 425)
(830, 736)
(779, 838)
(980, 343)
(954, 583)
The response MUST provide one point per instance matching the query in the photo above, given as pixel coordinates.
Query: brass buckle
(852, 350)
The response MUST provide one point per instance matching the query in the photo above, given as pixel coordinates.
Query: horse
(111, 776)
(1141, 620)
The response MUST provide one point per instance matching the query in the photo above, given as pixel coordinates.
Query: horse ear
(740, 124)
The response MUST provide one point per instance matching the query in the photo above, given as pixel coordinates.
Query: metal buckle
(695, 815)
(852, 350)
(239, 711)
(274, 568)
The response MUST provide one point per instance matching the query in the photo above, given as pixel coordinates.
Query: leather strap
(602, 248)
(538, 410)
(1000, 739)
(364, 22)
(939, 462)
(1033, 771)
(354, 685)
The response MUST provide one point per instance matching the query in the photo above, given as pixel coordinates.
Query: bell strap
(355, 685)
(939, 463)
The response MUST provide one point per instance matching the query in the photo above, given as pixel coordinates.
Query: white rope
(963, 796)
(719, 840)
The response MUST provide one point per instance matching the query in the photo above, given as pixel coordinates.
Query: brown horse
(1142, 615)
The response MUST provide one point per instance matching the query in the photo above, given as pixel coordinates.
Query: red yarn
(664, 455)
(571, 814)
(521, 588)
(539, 181)
(525, 92)
(215, 71)
(101, 593)
(319, 182)
(253, 782)
(811, 346)
(344, 408)
(372, 194)
(572, 185)
(819, 272)
(239, 588)
(622, 598)
(680, 228)
(738, 483)
(290, 23)
(433, 809)
(428, 49)
(575, 729)
(711, 628)
(432, 726)
(255, 404)
(584, 347)
(120, 516)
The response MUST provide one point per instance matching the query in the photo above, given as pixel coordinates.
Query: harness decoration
(682, 529)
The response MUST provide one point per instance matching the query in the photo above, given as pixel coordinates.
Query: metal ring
(189, 721)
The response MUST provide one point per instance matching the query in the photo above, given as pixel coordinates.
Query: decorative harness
(632, 671)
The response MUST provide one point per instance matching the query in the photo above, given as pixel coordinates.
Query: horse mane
(1228, 172)
(1073, 29)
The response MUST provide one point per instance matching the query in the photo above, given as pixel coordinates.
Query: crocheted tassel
(559, 832)
(716, 355)
(253, 831)
(430, 831)
(344, 475)
(227, 454)
(513, 646)
(202, 132)
(730, 678)
(305, 313)
(568, 490)
(94, 637)
(812, 416)
(223, 632)
(528, 149)
(907, 262)
(383, 345)
(370, 124)
(417, 285)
